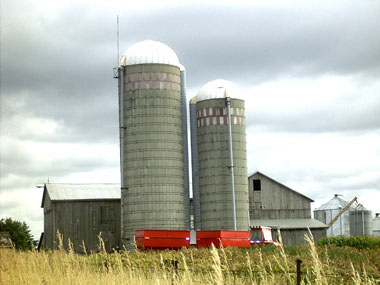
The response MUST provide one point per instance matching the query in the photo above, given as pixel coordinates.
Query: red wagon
(224, 238)
(162, 239)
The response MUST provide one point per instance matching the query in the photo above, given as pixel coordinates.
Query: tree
(19, 233)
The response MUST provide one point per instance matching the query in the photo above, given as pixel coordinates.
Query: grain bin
(329, 211)
(376, 225)
(152, 168)
(361, 222)
(213, 170)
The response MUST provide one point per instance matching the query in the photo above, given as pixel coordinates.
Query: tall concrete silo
(212, 149)
(152, 146)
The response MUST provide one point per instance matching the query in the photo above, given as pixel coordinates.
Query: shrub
(19, 233)
(359, 242)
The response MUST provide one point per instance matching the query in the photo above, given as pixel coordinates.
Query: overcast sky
(310, 71)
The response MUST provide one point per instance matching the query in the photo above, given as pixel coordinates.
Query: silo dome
(149, 52)
(215, 90)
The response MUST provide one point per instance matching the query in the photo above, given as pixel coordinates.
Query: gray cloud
(61, 66)
(334, 118)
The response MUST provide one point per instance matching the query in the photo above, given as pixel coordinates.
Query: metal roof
(219, 88)
(149, 51)
(335, 203)
(289, 223)
(72, 192)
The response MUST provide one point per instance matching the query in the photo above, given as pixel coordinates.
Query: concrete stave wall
(213, 158)
(154, 188)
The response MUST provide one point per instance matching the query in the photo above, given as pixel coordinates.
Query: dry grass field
(320, 265)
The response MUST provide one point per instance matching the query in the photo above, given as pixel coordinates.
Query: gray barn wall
(276, 201)
(292, 237)
(82, 221)
(49, 231)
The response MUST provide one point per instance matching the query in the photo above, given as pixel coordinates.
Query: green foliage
(19, 233)
(359, 242)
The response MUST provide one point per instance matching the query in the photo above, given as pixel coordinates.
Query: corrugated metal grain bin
(328, 211)
(361, 223)
(152, 156)
(376, 225)
(223, 238)
(162, 239)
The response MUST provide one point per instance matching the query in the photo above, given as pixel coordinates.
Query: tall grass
(321, 265)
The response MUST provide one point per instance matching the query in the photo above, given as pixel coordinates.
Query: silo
(216, 173)
(376, 225)
(361, 222)
(329, 211)
(195, 163)
(153, 192)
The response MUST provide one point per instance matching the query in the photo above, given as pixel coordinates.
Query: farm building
(376, 225)
(293, 231)
(355, 220)
(275, 205)
(269, 199)
(80, 212)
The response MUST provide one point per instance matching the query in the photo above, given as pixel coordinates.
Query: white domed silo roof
(219, 88)
(149, 51)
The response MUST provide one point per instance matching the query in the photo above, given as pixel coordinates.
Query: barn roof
(257, 172)
(289, 223)
(74, 192)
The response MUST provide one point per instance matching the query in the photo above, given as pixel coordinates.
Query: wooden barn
(273, 204)
(80, 212)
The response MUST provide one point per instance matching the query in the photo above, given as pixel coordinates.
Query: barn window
(256, 185)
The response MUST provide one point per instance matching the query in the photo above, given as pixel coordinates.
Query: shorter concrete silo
(361, 222)
(329, 211)
(220, 148)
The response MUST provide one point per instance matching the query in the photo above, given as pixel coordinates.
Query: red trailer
(224, 238)
(162, 239)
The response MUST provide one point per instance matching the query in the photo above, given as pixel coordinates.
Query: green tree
(19, 233)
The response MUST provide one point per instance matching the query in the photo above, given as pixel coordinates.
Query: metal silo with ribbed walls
(151, 140)
(361, 222)
(221, 180)
(328, 211)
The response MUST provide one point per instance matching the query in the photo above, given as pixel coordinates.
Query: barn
(80, 212)
(273, 204)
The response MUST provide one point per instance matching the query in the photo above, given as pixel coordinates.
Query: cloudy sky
(310, 71)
